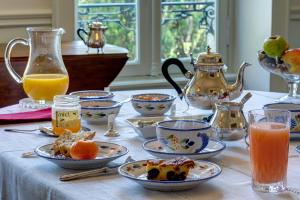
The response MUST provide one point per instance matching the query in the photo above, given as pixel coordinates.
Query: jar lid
(96, 25)
(66, 99)
(209, 58)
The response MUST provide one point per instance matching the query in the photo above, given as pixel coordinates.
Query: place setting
(79, 151)
(183, 138)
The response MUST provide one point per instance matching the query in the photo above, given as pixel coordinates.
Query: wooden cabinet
(87, 70)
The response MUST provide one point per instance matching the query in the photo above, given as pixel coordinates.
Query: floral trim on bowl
(150, 107)
(96, 115)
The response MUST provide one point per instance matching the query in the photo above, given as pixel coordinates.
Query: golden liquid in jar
(73, 125)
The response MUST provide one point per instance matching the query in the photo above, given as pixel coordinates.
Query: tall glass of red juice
(269, 133)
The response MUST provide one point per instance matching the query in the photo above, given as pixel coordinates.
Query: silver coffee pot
(95, 37)
(207, 84)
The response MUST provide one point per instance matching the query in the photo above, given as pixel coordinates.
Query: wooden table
(37, 178)
(97, 70)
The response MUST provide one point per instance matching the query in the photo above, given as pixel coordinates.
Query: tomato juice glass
(269, 134)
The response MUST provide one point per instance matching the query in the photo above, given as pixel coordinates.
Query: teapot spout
(236, 89)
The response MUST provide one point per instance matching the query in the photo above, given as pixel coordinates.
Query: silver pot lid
(96, 25)
(209, 58)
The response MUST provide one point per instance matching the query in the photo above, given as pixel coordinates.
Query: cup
(183, 136)
(269, 131)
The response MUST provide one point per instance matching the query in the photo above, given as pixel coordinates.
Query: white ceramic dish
(213, 148)
(203, 171)
(147, 131)
(157, 107)
(107, 153)
(295, 116)
(93, 94)
(97, 111)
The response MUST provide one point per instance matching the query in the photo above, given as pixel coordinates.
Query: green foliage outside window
(180, 32)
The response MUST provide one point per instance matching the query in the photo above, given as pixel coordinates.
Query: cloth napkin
(23, 117)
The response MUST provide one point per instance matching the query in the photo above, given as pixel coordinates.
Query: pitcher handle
(79, 35)
(165, 72)
(7, 53)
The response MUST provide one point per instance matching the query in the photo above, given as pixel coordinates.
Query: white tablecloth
(37, 178)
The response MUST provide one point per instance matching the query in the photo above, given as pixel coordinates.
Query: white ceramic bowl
(97, 111)
(183, 136)
(93, 94)
(295, 116)
(152, 103)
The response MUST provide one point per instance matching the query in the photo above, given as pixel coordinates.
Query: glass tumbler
(269, 134)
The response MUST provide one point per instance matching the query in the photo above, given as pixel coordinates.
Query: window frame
(148, 60)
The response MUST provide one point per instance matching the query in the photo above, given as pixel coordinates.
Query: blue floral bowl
(152, 103)
(183, 136)
(97, 111)
(295, 116)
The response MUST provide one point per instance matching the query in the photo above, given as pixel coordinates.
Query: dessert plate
(107, 153)
(213, 148)
(202, 172)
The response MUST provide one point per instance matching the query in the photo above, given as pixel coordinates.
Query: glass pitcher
(45, 74)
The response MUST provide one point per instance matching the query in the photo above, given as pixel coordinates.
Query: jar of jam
(66, 114)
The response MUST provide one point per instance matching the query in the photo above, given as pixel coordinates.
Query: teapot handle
(79, 35)
(165, 72)
(7, 54)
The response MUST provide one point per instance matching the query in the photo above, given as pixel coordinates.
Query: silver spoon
(245, 98)
(46, 131)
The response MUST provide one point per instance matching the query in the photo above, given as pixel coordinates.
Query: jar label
(66, 119)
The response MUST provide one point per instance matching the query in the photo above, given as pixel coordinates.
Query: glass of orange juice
(269, 134)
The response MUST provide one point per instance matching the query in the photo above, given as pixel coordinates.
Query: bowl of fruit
(277, 58)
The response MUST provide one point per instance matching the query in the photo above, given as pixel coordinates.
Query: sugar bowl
(229, 120)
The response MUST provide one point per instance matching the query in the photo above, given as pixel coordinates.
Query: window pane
(187, 27)
(118, 15)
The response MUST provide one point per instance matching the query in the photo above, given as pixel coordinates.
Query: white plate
(107, 153)
(213, 148)
(203, 171)
(146, 132)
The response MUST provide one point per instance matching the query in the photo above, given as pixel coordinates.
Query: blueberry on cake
(175, 169)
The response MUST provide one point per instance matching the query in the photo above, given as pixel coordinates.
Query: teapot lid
(96, 25)
(209, 58)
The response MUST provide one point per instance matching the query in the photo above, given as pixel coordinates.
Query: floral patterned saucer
(107, 152)
(202, 172)
(213, 148)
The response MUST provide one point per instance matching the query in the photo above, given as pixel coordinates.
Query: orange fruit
(84, 150)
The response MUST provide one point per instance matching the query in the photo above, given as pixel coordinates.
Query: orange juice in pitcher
(45, 74)
(45, 86)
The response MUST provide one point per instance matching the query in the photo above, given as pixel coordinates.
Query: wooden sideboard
(87, 70)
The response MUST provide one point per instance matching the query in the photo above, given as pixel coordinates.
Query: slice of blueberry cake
(175, 169)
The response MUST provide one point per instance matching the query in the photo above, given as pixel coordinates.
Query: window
(155, 30)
